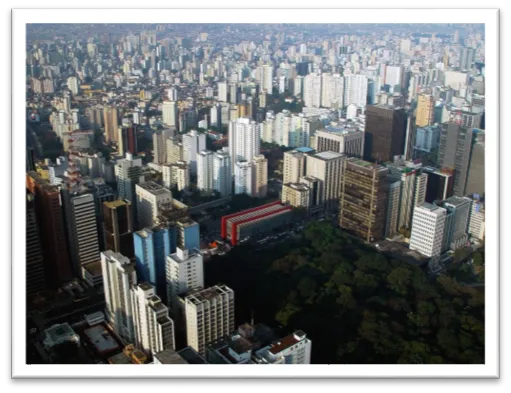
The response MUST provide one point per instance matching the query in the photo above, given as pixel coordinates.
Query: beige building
(294, 164)
(349, 141)
(176, 175)
(160, 146)
(296, 194)
(209, 315)
(425, 110)
(174, 150)
(327, 167)
(259, 176)
(110, 117)
(150, 196)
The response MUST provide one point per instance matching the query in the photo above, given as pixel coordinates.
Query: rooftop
(457, 201)
(328, 155)
(287, 342)
(169, 356)
(101, 339)
(117, 203)
(191, 356)
(304, 149)
(93, 268)
(153, 188)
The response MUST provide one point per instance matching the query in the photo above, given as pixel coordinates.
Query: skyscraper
(118, 277)
(349, 141)
(160, 146)
(82, 229)
(110, 116)
(364, 199)
(154, 330)
(385, 133)
(128, 142)
(425, 110)
(205, 170)
(170, 114)
(209, 315)
(118, 227)
(440, 183)
(456, 222)
(222, 172)
(312, 90)
(34, 254)
(50, 219)
(295, 164)
(187, 234)
(244, 139)
(150, 196)
(428, 229)
(327, 166)
(355, 90)
(454, 153)
(259, 176)
(129, 173)
(193, 144)
(176, 175)
(222, 91)
(475, 176)
(243, 178)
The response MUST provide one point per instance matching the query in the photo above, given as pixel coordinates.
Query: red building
(256, 220)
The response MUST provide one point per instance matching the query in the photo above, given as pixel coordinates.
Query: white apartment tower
(243, 178)
(222, 172)
(150, 196)
(265, 77)
(294, 165)
(209, 315)
(184, 272)
(222, 91)
(428, 229)
(205, 170)
(160, 146)
(118, 276)
(259, 176)
(355, 90)
(128, 173)
(170, 114)
(176, 175)
(312, 90)
(193, 144)
(244, 139)
(154, 330)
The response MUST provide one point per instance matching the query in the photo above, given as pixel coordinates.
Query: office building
(111, 121)
(427, 138)
(428, 229)
(292, 349)
(209, 315)
(35, 280)
(385, 133)
(150, 196)
(170, 114)
(454, 152)
(128, 141)
(425, 110)
(222, 172)
(364, 199)
(327, 166)
(154, 330)
(176, 175)
(296, 195)
(259, 176)
(118, 227)
(456, 222)
(412, 191)
(184, 271)
(193, 144)
(205, 171)
(50, 220)
(82, 229)
(476, 221)
(440, 183)
(294, 166)
(253, 221)
(345, 140)
(243, 178)
(118, 277)
(475, 176)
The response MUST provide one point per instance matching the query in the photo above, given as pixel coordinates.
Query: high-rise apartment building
(209, 315)
(296, 194)
(355, 90)
(327, 166)
(128, 172)
(385, 133)
(244, 140)
(154, 330)
(264, 76)
(222, 91)
(222, 172)
(454, 153)
(110, 116)
(118, 277)
(184, 272)
(364, 199)
(425, 110)
(160, 146)
(332, 91)
(174, 150)
(312, 90)
(187, 234)
(50, 219)
(295, 164)
(428, 229)
(205, 170)
(82, 229)
(150, 196)
(127, 142)
(36, 280)
(243, 178)
(118, 227)
(394, 75)
(344, 140)
(259, 176)
(176, 175)
(193, 144)
(170, 114)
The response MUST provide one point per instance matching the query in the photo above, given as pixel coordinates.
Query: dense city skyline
(255, 193)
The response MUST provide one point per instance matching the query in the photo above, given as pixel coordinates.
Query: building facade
(428, 229)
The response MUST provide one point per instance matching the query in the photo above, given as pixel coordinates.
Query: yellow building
(296, 194)
(425, 110)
